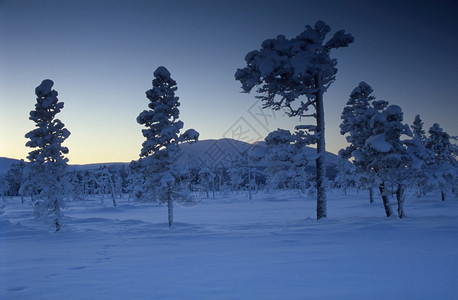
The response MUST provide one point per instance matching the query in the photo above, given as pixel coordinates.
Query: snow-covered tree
(238, 172)
(15, 177)
(417, 130)
(421, 158)
(47, 162)
(280, 155)
(287, 159)
(75, 184)
(356, 118)
(294, 74)
(106, 182)
(444, 168)
(389, 160)
(89, 184)
(256, 162)
(135, 181)
(345, 177)
(207, 180)
(356, 125)
(4, 187)
(160, 150)
(380, 153)
(124, 179)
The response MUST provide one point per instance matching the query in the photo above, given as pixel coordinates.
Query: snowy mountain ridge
(209, 153)
(5, 164)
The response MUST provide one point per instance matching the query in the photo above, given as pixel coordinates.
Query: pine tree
(388, 158)
(356, 125)
(160, 150)
(287, 70)
(280, 157)
(47, 161)
(421, 157)
(287, 159)
(381, 157)
(417, 129)
(444, 167)
(15, 177)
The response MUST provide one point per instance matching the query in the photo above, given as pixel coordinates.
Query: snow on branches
(294, 74)
(160, 150)
(384, 149)
(444, 166)
(290, 68)
(48, 163)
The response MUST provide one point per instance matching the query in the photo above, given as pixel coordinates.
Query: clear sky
(101, 56)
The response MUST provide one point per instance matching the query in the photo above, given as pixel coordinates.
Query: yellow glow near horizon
(101, 61)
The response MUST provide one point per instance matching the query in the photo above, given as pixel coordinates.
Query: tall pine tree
(47, 162)
(160, 151)
(355, 125)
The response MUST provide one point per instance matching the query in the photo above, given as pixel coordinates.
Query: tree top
(44, 88)
(162, 72)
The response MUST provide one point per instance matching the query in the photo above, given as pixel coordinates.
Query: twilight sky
(101, 56)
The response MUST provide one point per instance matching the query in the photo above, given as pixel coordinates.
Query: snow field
(231, 248)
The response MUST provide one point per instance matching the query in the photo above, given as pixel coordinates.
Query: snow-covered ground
(232, 248)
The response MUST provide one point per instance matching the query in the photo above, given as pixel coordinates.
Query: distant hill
(96, 166)
(5, 164)
(217, 153)
(209, 153)
(213, 153)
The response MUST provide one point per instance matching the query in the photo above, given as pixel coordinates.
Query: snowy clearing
(231, 248)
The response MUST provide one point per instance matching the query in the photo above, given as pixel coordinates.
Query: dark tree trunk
(170, 210)
(321, 210)
(371, 195)
(56, 213)
(400, 197)
(443, 195)
(113, 196)
(249, 186)
(386, 201)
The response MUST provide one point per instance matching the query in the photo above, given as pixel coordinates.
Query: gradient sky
(101, 56)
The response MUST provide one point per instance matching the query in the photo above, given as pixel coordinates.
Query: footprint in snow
(16, 289)
(78, 268)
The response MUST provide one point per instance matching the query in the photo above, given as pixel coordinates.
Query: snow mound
(379, 143)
